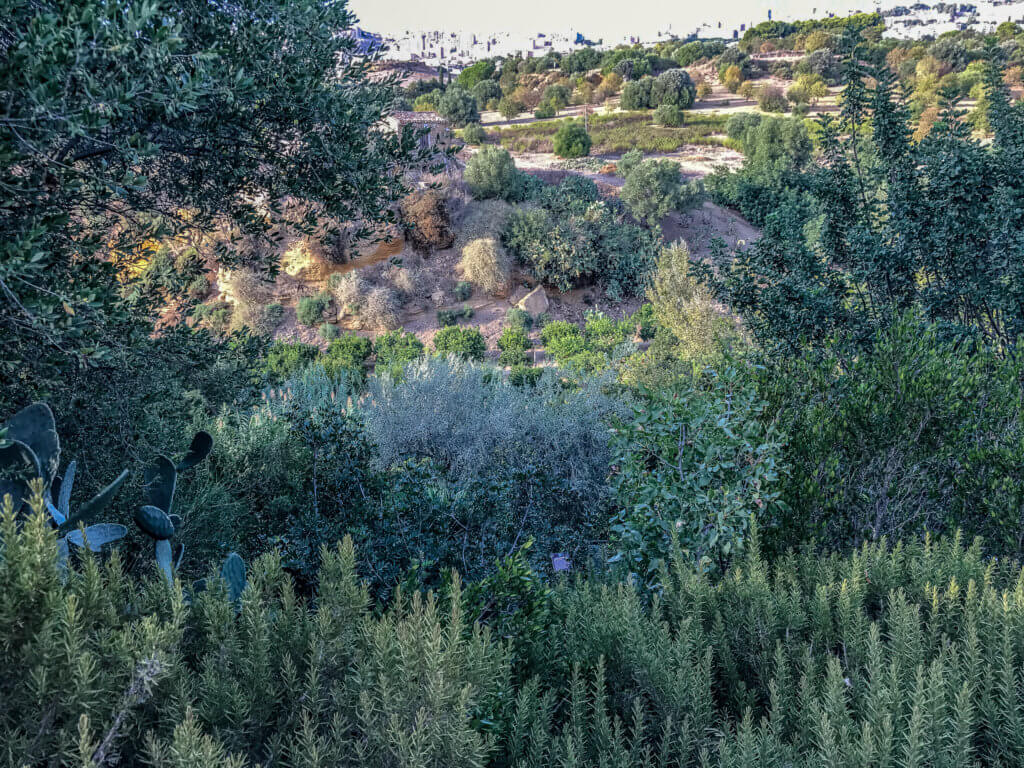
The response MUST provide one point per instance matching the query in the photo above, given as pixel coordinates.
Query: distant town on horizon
(454, 48)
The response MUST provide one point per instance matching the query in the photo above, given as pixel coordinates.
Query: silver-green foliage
(465, 417)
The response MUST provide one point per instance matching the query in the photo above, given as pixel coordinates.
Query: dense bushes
(668, 115)
(916, 434)
(474, 133)
(467, 343)
(696, 464)
(458, 106)
(491, 173)
(310, 310)
(912, 654)
(517, 462)
(654, 188)
(572, 238)
(571, 140)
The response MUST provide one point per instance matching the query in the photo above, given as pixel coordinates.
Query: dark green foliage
(770, 99)
(524, 375)
(915, 434)
(463, 290)
(510, 108)
(519, 318)
(140, 123)
(458, 106)
(491, 173)
(448, 317)
(474, 133)
(654, 188)
(310, 309)
(482, 466)
(396, 348)
(545, 110)
(571, 140)
(590, 350)
(574, 239)
(580, 60)
(485, 92)
(467, 343)
(286, 359)
(347, 353)
(696, 464)
(673, 88)
(29, 459)
(934, 225)
(668, 115)
(636, 94)
(513, 344)
(476, 73)
(776, 152)
(156, 518)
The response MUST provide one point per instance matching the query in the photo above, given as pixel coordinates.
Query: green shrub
(216, 315)
(467, 343)
(458, 106)
(328, 331)
(396, 348)
(673, 87)
(562, 340)
(448, 317)
(918, 433)
(513, 344)
(149, 644)
(629, 161)
(771, 99)
(668, 115)
(499, 463)
(518, 318)
(571, 140)
(310, 309)
(652, 189)
(636, 94)
(347, 353)
(286, 359)
(545, 111)
(704, 488)
(524, 375)
(575, 238)
(463, 290)
(510, 108)
(491, 173)
(474, 133)
(273, 314)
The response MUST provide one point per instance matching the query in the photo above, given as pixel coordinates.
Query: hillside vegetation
(322, 447)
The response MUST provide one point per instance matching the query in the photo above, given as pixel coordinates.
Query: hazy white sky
(594, 18)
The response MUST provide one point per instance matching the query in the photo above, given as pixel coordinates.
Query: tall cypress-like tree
(891, 225)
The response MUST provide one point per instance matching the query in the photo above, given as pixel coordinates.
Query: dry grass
(349, 290)
(481, 219)
(485, 264)
(381, 308)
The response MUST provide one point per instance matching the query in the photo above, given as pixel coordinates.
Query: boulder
(535, 302)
